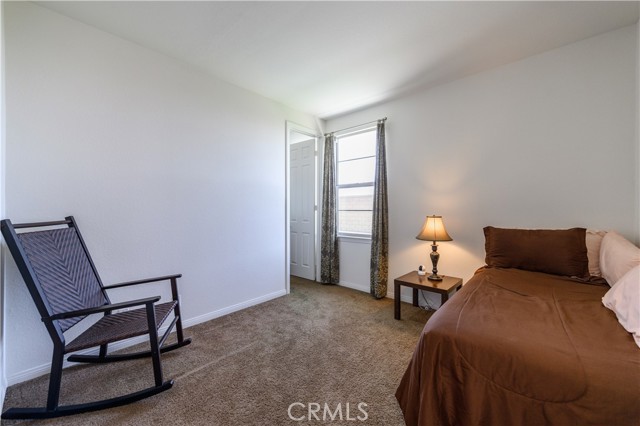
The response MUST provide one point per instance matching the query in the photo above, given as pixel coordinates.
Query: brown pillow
(552, 251)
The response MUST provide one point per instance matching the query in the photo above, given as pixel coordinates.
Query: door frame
(291, 127)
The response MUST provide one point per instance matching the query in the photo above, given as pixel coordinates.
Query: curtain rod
(359, 125)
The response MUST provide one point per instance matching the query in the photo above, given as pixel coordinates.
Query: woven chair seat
(119, 326)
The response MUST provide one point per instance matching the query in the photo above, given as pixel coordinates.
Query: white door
(302, 200)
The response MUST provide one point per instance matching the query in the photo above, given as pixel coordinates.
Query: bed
(522, 347)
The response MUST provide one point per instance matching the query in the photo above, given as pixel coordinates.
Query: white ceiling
(328, 58)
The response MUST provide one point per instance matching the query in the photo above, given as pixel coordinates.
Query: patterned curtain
(330, 259)
(380, 225)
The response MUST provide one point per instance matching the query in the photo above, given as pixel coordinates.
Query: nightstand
(421, 282)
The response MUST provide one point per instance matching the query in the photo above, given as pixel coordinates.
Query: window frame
(355, 236)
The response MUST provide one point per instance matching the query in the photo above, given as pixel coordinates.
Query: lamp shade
(433, 230)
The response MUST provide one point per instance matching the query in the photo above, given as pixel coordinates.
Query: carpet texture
(320, 344)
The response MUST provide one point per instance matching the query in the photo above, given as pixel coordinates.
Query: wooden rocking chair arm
(103, 308)
(143, 281)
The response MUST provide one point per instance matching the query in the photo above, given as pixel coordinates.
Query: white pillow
(593, 241)
(624, 299)
(617, 257)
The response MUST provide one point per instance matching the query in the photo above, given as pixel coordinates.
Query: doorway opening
(302, 202)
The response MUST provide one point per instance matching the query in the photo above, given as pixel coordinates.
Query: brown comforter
(523, 348)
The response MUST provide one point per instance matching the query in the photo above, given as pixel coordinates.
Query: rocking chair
(65, 286)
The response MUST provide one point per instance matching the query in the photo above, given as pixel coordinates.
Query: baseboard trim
(354, 286)
(43, 369)
(233, 308)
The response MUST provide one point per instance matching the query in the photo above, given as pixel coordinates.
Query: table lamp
(433, 230)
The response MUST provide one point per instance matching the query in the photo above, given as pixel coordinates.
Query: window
(356, 162)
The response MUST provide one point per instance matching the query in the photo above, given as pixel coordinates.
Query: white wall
(166, 170)
(3, 380)
(545, 142)
(638, 128)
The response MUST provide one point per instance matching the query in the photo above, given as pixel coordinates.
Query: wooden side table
(421, 282)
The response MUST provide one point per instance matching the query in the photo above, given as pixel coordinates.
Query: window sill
(353, 239)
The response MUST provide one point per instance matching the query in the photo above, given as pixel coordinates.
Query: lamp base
(435, 256)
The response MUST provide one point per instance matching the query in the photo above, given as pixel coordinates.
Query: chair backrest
(57, 269)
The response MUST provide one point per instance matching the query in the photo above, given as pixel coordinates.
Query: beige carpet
(320, 344)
